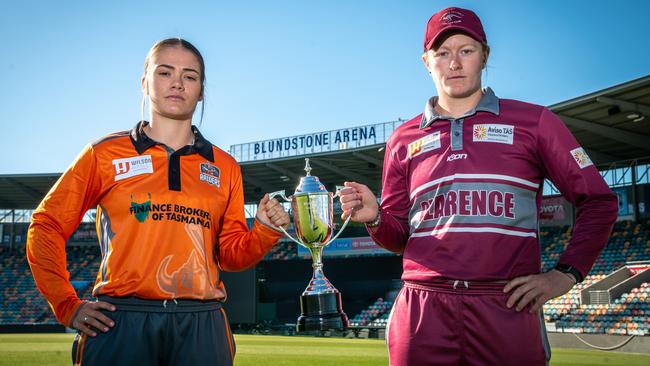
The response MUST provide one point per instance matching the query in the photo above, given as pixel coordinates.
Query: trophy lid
(310, 183)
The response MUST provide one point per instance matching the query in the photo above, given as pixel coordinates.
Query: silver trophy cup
(312, 208)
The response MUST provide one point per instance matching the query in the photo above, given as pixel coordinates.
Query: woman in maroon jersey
(461, 189)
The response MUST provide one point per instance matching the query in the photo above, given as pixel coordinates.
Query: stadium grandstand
(613, 125)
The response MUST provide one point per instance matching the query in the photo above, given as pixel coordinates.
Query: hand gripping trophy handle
(282, 194)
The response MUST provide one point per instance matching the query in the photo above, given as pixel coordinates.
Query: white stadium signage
(313, 143)
(316, 139)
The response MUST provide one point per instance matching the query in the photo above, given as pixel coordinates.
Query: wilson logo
(129, 167)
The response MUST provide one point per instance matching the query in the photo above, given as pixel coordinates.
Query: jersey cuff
(268, 229)
(67, 320)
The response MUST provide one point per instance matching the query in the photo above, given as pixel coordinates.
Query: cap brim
(446, 30)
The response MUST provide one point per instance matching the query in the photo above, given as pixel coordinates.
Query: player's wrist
(376, 221)
(570, 271)
(568, 275)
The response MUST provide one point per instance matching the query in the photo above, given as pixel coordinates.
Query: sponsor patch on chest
(426, 143)
(581, 157)
(210, 174)
(502, 134)
(129, 167)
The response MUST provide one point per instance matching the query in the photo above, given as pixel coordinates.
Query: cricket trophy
(312, 209)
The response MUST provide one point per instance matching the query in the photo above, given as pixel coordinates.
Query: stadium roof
(24, 191)
(612, 124)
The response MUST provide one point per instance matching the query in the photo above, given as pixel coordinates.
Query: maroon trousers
(463, 323)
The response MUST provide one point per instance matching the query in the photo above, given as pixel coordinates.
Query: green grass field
(54, 349)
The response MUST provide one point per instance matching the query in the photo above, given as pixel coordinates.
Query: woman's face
(456, 66)
(173, 82)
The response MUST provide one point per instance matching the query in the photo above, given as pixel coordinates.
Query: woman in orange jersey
(170, 218)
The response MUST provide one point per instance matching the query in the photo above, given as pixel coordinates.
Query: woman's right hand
(88, 315)
(358, 202)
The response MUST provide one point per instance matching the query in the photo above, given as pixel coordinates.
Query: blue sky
(280, 68)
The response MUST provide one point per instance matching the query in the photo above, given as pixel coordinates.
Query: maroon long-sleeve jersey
(461, 196)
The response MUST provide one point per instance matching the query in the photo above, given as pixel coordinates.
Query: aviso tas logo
(503, 134)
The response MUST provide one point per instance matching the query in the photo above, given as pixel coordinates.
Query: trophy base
(321, 312)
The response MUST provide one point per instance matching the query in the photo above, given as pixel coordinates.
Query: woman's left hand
(270, 211)
(534, 290)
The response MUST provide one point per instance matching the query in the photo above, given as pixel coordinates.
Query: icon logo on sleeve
(498, 133)
(129, 167)
(427, 143)
(581, 157)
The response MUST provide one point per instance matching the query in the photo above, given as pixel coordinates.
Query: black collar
(142, 142)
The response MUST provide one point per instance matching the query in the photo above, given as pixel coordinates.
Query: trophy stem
(317, 261)
(319, 283)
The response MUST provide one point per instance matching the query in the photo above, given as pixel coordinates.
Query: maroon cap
(453, 18)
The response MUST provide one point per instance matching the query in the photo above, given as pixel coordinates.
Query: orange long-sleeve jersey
(167, 221)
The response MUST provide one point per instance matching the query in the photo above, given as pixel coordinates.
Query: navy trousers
(157, 333)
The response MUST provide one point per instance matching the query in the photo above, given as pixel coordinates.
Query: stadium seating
(628, 242)
(563, 305)
(376, 315)
(285, 249)
(21, 302)
(629, 314)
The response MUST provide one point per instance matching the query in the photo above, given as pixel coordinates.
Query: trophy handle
(279, 193)
(283, 196)
(338, 190)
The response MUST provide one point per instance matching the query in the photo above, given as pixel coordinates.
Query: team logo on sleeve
(210, 174)
(502, 134)
(581, 157)
(427, 143)
(129, 167)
